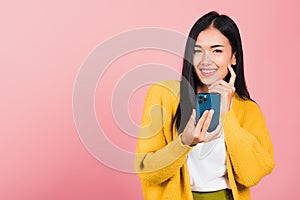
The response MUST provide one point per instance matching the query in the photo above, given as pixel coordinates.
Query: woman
(176, 158)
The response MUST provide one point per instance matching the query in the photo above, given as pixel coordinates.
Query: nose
(206, 59)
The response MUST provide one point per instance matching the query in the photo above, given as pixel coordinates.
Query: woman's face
(212, 54)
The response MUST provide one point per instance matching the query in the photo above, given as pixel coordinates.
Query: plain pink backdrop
(42, 47)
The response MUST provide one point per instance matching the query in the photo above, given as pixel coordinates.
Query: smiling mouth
(207, 72)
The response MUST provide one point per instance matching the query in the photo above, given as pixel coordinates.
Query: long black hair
(189, 79)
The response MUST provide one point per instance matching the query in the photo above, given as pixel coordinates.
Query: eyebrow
(213, 46)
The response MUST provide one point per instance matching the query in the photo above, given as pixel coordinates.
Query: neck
(202, 89)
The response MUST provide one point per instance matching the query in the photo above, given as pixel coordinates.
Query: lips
(208, 72)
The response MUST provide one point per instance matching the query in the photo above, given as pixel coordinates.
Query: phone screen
(207, 101)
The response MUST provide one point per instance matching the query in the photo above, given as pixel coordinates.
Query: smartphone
(207, 101)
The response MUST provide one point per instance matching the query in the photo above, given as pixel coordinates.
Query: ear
(233, 59)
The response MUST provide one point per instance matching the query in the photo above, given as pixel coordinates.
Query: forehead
(211, 36)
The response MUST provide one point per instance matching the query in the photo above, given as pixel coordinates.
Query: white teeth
(208, 70)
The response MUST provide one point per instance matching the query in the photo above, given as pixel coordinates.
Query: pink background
(42, 47)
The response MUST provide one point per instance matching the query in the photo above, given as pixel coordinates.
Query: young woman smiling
(176, 157)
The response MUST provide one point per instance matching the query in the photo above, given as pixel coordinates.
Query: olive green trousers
(217, 195)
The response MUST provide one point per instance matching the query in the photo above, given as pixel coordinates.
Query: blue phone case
(207, 101)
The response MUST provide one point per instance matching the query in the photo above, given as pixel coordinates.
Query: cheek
(198, 73)
(223, 67)
(224, 72)
(196, 60)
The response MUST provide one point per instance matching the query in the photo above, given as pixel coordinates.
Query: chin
(209, 81)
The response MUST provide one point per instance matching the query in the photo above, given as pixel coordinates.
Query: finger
(202, 120)
(199, 137)
(219, 82)
(215, 83)
(191, 123)
(206, 125)
(233, 75)
(225, 92)
(221, 89)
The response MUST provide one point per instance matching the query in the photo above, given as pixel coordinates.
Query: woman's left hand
(226, 90)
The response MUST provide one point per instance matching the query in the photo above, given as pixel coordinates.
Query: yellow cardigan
(160, 160)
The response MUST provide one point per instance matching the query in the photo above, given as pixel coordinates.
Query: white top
(207, 166)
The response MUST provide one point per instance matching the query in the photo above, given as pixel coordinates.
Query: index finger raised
(233, 75)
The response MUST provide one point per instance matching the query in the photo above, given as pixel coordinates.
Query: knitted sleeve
(248, 143)
(159, 155)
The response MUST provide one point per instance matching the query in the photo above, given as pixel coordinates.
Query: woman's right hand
(194, 134)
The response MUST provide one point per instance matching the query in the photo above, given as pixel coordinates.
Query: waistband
(225, 194)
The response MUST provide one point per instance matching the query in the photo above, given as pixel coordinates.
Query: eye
(198, 51)
(217, 51)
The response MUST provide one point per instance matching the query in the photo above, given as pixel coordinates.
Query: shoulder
(164, 93)
(165, 88)
(247, 108)
(244, 102)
